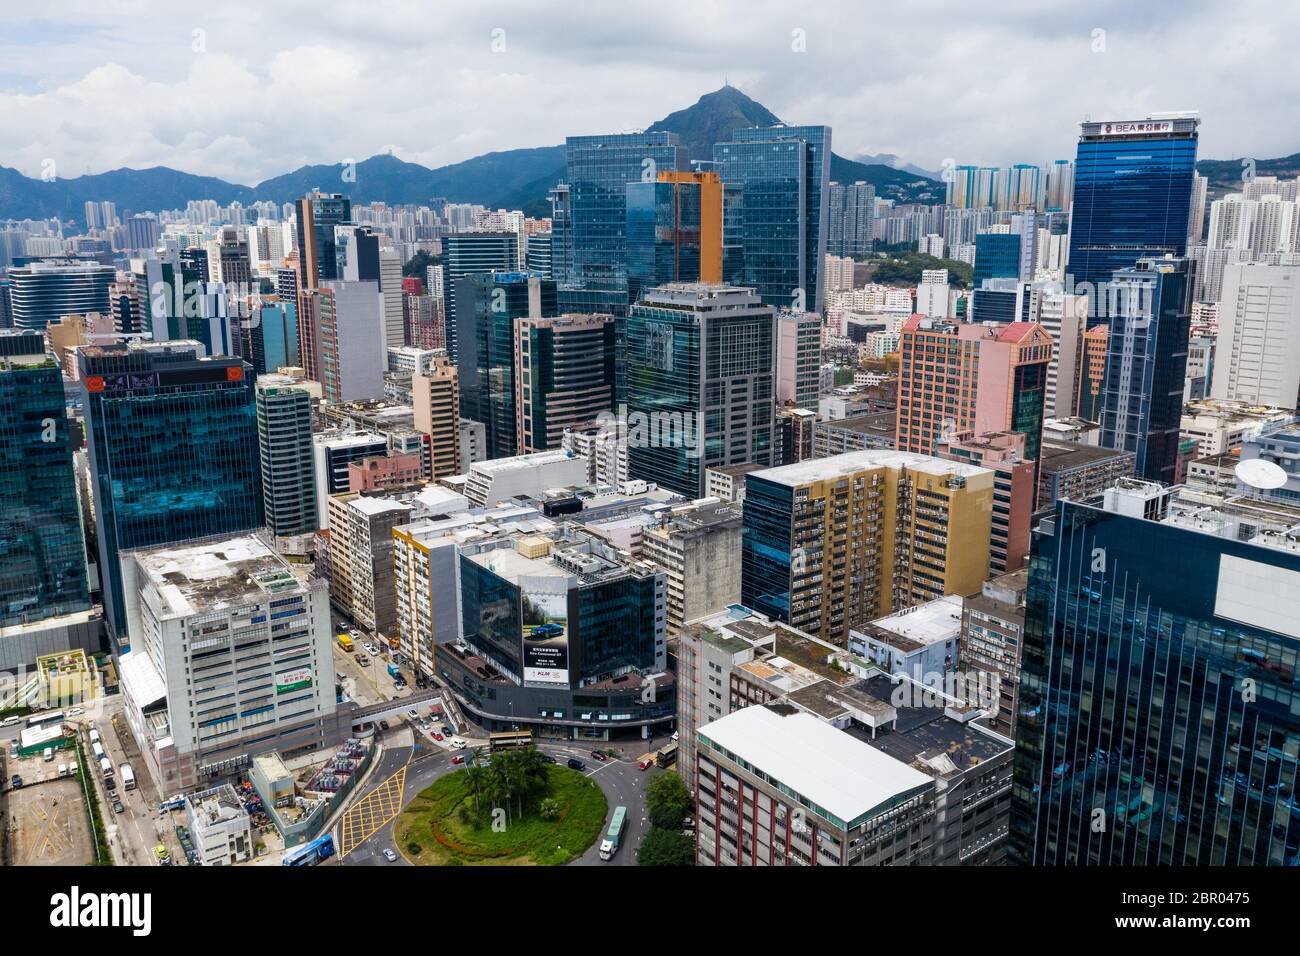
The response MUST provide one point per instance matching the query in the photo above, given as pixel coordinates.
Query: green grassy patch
(443, 823)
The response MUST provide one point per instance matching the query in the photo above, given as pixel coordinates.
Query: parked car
(365, 662)
(383, 725)
(413, 714)
(112, 793)
(16, 782)
(389, 855)
(10, 721)
(117, 807)
(438, 737)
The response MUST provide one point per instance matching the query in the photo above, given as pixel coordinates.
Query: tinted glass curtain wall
(1153, 730)
(1132, 198)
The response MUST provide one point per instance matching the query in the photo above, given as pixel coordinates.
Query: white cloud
(281, 85)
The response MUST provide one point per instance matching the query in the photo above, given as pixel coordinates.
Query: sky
(248, 90)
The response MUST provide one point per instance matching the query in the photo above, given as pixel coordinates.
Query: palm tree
(476, 777)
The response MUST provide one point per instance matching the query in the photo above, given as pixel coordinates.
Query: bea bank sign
(1145, 127)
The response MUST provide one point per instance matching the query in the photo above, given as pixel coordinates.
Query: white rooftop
(825, 766)
(838, 466)
(520, 462)
(215, 574)
(928, 623)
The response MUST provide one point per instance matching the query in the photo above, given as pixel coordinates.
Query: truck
(345, 642)
(309, 854)
(394, 672)
(128, 777)
(615, 834)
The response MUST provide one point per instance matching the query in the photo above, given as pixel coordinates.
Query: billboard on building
(295, 679)
(546, 636)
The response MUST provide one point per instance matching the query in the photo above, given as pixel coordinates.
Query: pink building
(385, 471)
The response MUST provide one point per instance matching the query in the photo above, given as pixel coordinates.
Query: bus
(309, 854)
(509, 739)
(41, 720)
(345, 642)
(666, 756)
(128, 777)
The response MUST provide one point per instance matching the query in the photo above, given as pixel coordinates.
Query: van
(94, 735)
(457, 744)
(576, 764)
(98, 749)
(63, 770)
(48, 756)
(106, 767)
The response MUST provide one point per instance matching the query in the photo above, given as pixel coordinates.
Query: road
(367, 838)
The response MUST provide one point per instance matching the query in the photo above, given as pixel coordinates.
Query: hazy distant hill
(517, 178)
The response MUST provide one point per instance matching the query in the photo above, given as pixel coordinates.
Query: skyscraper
(1132, 197)
(1155, 725)
(674, 230)
(173, 450)
(42, 549)
(833, 543)
(317, 215)
(487, 306)
(850, 218)
(284, 434)
(1146, 361)
(597, 172)
(782, 174)
(700, 383)
(435, 400)
(1257, 358)
(473, 253)
(564, 377)
(45, 290)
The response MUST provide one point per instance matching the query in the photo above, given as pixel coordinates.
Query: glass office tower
(1132, 197)
(42, 549)
(173, 451)
(674, 230)
(474, 253)
(317, 215)
(782, 174)
(45, 290)
(598, 169)
(1146, 361)
(700, 381)
(997, 256)
(1159, 720)
(486, 309)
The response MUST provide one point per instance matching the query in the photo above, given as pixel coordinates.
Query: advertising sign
(295, 679)
(546, 637)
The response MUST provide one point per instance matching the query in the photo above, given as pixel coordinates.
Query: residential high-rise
(284, 407)
(487, 307)
(1146, 361)
(1159, 655)
(346, 322)
(674, 230)
(850, 218)
(698, 546)
(783, 175)
(229, 658)
(833, 543)
(563, 377)
(1133, 188)
(959, 377)
(173, 450)
(42, 549)
(47, 289)
(701, 383)
(1015, 492)
(1257, 356)
(435, 397)
(268, 339)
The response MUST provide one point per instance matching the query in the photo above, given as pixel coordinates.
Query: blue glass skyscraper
(598, 169)
(1159, 715)
(42, 549)
(173, 451)
(997, 256)
(1146, 360)
(1132, 197)
(777, 181)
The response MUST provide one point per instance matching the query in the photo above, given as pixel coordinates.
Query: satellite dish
(1260, 474)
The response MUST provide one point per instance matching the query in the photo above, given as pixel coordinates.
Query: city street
(408, 767)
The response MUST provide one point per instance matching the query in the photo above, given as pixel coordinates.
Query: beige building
(435, 397)
(698, 547)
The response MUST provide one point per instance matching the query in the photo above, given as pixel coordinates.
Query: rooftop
(849, 463)
(214, 574)
(827, 767)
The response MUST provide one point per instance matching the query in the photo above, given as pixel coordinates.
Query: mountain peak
(713, 118)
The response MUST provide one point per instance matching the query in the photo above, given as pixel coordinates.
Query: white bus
(128, 777)
(94, 735)
(106, 767)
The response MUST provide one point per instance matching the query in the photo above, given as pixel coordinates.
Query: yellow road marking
(372, 813)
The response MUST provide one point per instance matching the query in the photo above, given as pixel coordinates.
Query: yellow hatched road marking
(372, 813)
